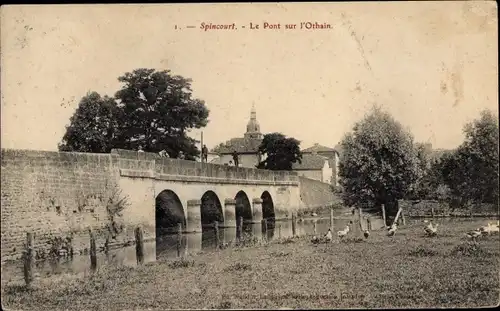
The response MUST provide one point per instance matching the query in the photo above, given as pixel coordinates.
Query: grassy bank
(408, 270)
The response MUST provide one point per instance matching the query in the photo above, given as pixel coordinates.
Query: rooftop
(310, 162)
(240, 145)
(318, 148)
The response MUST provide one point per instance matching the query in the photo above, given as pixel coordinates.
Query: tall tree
(94, 127)
(471, 172)
(380, 163)
(153, 109)
(280, 151)
(159, 111)
(423, 188)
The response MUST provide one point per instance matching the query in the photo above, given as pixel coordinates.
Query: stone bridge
(61, 193)
(197, 194)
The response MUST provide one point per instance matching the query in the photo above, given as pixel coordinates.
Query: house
(331, 154)
(314, 166)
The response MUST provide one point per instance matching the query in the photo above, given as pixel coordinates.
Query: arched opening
(243, 209)
(211, 210)
(169, 213)
(267, 207)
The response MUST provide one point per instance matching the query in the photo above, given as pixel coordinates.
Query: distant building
(313, 164)
(247, 146)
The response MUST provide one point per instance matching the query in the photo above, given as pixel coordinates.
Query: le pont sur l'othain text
(272, 26)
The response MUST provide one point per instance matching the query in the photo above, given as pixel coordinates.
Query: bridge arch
(267, 206)
(168, 213)
(243, 206)
(210, 209)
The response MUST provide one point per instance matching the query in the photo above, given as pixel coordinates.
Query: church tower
(253, 127)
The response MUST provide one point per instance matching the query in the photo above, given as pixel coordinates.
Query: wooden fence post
(139, 246)
(397, 216)
(432, 211)
(331, 219)
(383, 215)
(360, 218)
(368, 224)
(93, 252)
(28, 259)
(106, 246)
(294, 224)
(279, 231)
(403, 217)
(179, 239)
(216, 231)
(314, 226)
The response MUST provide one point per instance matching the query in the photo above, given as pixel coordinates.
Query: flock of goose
(485, 230)
(328, 237)
(429, 229)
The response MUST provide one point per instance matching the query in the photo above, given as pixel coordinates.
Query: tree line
(382, 164)
(154, 111)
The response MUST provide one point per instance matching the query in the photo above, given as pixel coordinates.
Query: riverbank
(408, 270)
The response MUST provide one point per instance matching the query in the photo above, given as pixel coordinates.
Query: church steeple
(253, 127)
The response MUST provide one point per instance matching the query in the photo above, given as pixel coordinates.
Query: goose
(486, 229)
(431, 230)
(315, 240)
(392, 230)
(366, 233)
(428, 226)
(344, 232)
(473, 234)
(491, 228)
(495, 228)
(328, 235)
(314, 214)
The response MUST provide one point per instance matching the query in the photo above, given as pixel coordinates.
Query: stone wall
(53, 194)
(315, 193)
(311, 174)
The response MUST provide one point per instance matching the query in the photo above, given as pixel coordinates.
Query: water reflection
(167, 246)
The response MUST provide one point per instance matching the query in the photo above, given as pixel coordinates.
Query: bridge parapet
(149, 163)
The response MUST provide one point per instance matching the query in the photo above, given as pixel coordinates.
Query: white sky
(432, 65)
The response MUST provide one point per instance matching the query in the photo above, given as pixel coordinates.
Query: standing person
(181, 155)
(204, 154)
(235, 158)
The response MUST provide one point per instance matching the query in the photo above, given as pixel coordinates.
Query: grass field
(408, 270)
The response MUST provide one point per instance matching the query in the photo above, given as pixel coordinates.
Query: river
(165, 247)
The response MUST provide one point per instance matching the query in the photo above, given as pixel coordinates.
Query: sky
(432, 65)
